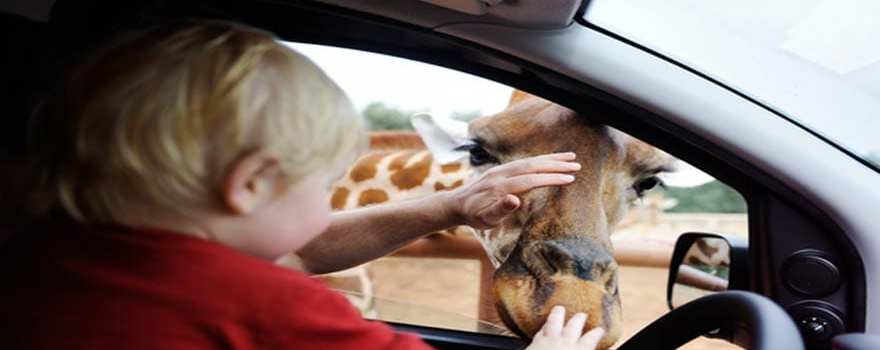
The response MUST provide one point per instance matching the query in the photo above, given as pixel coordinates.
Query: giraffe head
(556, 249)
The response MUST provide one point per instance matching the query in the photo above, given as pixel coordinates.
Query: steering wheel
(767, 324)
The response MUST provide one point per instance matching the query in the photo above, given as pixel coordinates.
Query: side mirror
(706, 263)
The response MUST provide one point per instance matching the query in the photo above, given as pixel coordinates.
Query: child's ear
(251, 182)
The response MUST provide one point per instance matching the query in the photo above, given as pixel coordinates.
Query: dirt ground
(445, 292)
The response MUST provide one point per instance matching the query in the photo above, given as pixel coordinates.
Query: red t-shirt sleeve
(322, 319)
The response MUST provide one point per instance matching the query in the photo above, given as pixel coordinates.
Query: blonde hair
(156, 119)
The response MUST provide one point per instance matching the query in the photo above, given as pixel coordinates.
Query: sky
(408, 85)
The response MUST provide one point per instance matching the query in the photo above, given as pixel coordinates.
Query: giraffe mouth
(577, 274)
(523, 303)
(508, 321)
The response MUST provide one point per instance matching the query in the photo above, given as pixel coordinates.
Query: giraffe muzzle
(579, 258)
(578, 274)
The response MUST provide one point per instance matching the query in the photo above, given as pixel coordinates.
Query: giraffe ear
(442, 135)
(517, 96)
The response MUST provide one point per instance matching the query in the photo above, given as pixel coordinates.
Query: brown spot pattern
(337, 201)
(449, 168)
(365, 168)
(439, 186)
(372, 196)
(413, 175)
(399, 161)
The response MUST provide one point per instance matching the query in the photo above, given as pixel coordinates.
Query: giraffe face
(556, 249)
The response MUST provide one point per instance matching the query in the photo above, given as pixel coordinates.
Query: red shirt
(113, 288)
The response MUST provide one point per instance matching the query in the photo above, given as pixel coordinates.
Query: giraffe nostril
(585, 261)
(611, 285)
(546, 258)
(558, 258)
(607, 270)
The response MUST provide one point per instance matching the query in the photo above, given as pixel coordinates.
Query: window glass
(453, 291)
(815, 61)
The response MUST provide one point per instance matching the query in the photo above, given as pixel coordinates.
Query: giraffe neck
(385, 175)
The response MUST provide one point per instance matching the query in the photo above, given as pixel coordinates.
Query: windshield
(815, 61)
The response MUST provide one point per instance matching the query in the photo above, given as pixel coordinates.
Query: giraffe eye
(478, 155)
(646, 184)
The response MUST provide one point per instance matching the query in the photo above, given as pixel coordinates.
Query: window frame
(763, 193)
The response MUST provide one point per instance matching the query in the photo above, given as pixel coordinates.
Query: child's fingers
(534, 166)
(553, 326)
(590, 340)
(510, 202)
(575, 326)
(501, 208)
(522, 183)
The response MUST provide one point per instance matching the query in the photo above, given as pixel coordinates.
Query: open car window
(451, 291)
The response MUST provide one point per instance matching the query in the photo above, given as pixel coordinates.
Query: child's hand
(553, 336)
(485, 202)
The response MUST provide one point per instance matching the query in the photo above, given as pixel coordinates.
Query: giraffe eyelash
(647, 184)
(478, 155)
(466, 147)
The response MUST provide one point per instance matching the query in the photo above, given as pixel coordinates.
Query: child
(185, 159)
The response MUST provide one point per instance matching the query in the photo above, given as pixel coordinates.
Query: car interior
(802, 278)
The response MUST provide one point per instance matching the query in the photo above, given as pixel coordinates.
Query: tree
(382, 117)
(711, 197)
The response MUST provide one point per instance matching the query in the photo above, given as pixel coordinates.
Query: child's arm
(360, 235)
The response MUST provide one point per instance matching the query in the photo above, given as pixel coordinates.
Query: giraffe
(556, 249)
(709, 252)
(393, 172)
(397, 167)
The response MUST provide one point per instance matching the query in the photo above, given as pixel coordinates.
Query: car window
(453, 292)
(813, 61)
